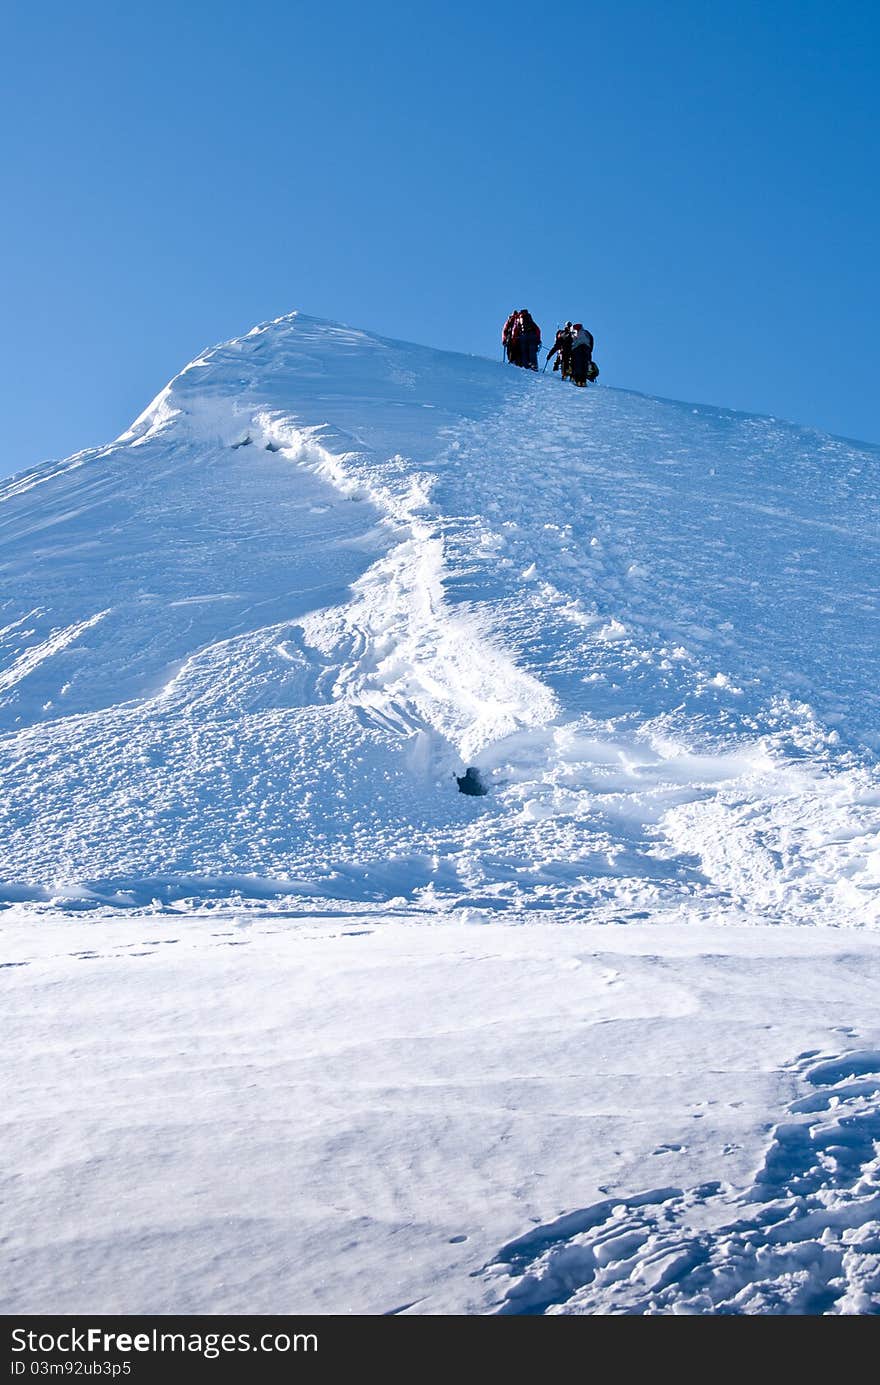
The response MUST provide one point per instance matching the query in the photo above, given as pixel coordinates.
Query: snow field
(253, 1111)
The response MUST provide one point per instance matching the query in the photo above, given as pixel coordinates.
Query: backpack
(579, 327)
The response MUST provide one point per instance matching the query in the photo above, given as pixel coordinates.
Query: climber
(562, 346)
(582, 368)
(529, 340)
(508, 341)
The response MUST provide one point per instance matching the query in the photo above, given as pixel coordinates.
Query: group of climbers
(573, 350)
(573, 347)
(521, 339)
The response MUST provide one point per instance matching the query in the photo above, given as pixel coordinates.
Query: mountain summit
(253, 648)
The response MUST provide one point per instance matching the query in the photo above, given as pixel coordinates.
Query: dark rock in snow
(470, 782)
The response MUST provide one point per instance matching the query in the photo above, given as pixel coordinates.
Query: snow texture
(804, 1238)
(247, 654)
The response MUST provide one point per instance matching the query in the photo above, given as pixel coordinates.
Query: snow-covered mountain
(247, 651)
(248, 647)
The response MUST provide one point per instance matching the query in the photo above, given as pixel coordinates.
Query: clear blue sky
(697, 182)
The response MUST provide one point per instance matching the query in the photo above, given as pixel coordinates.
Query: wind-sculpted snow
(254, 1109)
(248, 648)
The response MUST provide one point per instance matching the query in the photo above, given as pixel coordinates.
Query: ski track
(803, 1239)
(622, 610)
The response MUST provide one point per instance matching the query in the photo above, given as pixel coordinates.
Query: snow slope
(245, 652)
(256, 638)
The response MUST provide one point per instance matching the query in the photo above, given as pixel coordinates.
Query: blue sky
(697, 182)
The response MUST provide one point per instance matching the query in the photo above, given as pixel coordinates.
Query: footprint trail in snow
(804, 1239)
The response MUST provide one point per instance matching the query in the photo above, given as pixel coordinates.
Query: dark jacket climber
(562, 345)
(529, 336)
(581, 353)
